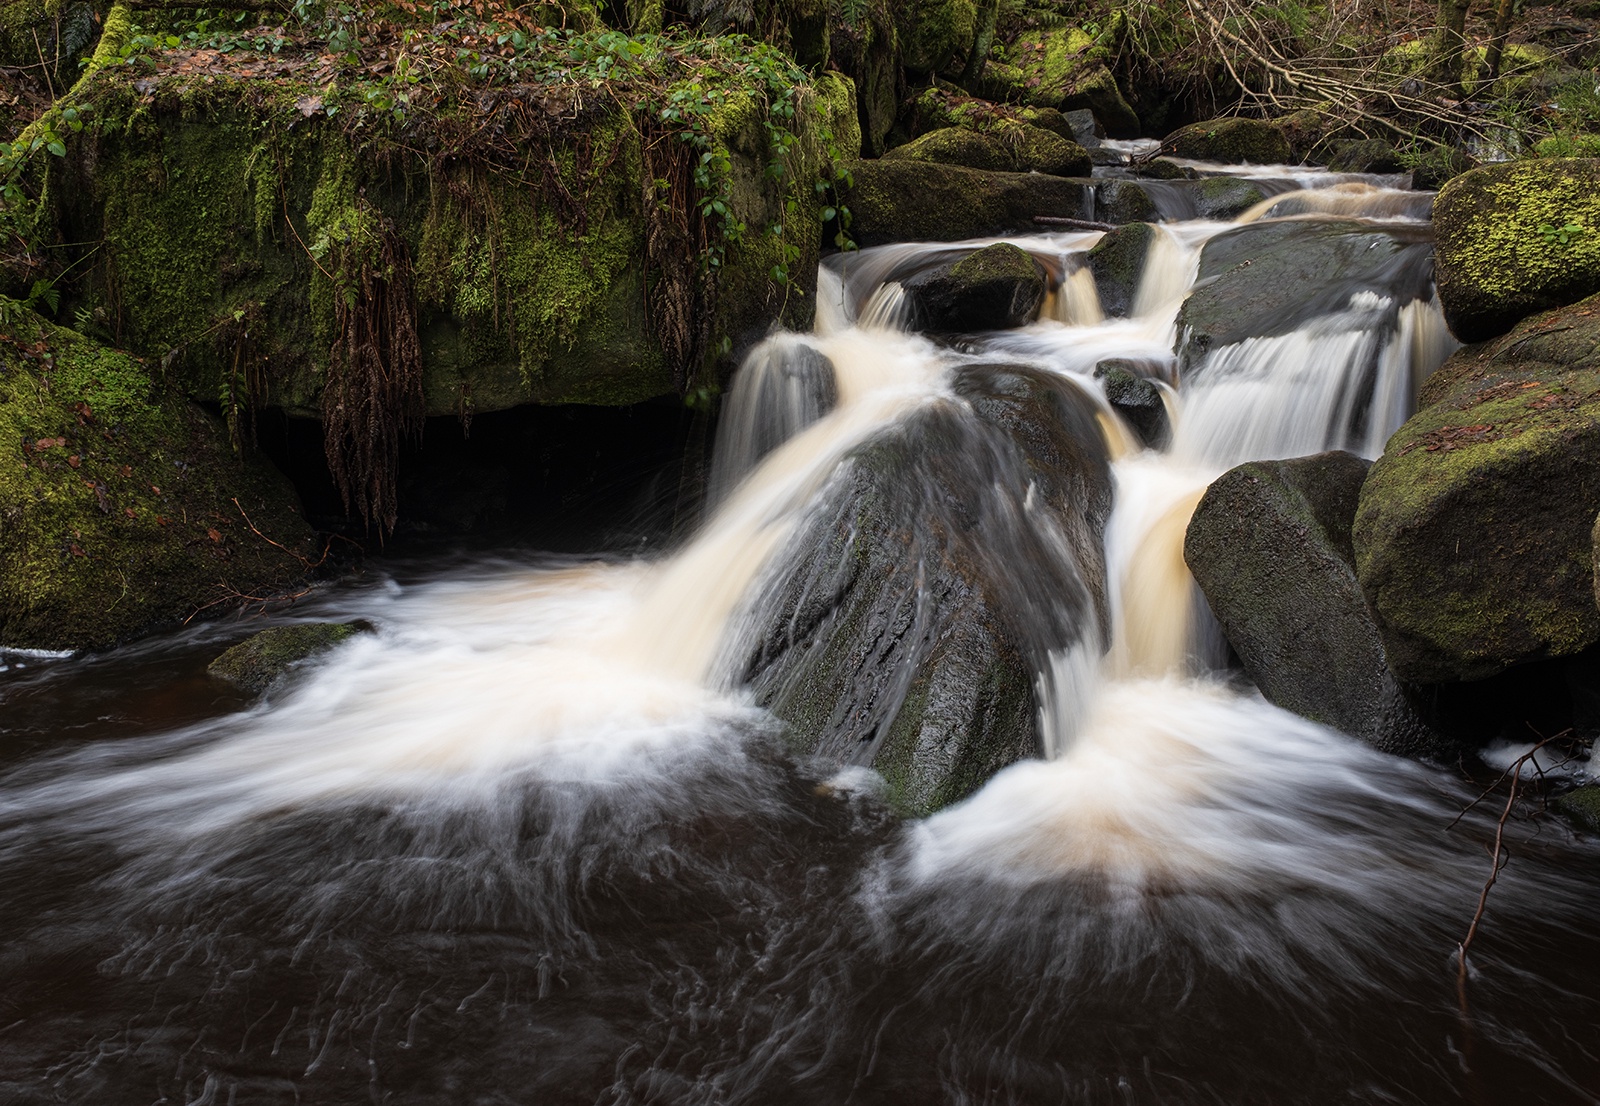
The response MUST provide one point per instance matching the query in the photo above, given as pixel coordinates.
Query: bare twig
(1074, 224)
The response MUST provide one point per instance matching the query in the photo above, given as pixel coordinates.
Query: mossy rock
(262, 659)
(1163, 168)
(1230, 141)
(917, 201)
(1474, 537)
(123, 507)
(1269, 544)
(1265, 279)
(1034, 149)
(223, 213)
(1368, 155)
(934, 35)
(1516, 239)
(956, 146)
(1117, 262)
(60, 32)
(1581, 807)
(1062, 67)
(891, 638)
(1123, 201)
(996, 288)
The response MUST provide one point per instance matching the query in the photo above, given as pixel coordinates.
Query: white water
(596, 673)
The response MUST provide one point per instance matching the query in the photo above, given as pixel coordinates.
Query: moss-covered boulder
(918, 201)
(1516, 239)
(262, 659)
(1368, 155)
(122, 506)
(892, 638)
(956, 146)
(1011, 148)
(1065, 68)
(1264, 279)
(995, 288)
(935, 35)
(1269, 545)
(1580, 806)
(1117, 262)
(1437, 167)
(1473, 540)
(228, 209)
(1231, 141)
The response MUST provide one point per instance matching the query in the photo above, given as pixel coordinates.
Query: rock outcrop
(1474, 538)
(123, 507)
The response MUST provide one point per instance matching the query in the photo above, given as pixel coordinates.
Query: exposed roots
(372, 399)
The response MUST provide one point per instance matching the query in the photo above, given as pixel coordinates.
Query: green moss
(1230, 141)
(1569, 145)
(935, 34)
(1582, 806)
(956, 146)
(256, 663)
(117, 503)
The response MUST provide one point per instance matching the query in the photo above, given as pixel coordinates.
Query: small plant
(44, 293)
(1559, 236)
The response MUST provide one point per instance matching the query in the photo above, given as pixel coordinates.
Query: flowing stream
(533, 840)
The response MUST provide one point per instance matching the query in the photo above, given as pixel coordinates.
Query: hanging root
(373, 396)
(676, 241)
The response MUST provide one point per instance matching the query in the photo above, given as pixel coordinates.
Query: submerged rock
(1231, 141)
(1516, 239)
(1474, 539)
(262, 659)
(122, 507)
(995, 288)
(1136, 398)
(915, 201)
(1269, 545)
(1265, 279)
(955, 552)
(1117, 262)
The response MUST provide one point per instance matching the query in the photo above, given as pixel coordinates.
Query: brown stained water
(530, 842)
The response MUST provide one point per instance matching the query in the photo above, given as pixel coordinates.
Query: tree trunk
(1449, 44)
(1497, 45)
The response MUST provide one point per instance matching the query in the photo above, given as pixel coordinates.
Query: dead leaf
(308, 105)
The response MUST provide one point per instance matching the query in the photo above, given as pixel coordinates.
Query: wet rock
(1133, 396)
(1230, 141)
(995, 288)
(1369, 155)
(1117, 262)
(901, 633)
(1265, 279)
(123, 507)
(1123, 201)
(1163, 168)
(262, 659)
(1581, 807)
(915, 201)
(1269, 545)
(1516, 239)
(1474, 539)
(1086, 129)
(1223, 198)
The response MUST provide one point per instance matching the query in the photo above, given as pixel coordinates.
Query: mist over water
(532, 840)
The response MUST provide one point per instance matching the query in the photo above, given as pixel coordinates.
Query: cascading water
(532, 839)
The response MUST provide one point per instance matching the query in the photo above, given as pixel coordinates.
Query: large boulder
(1474, 540)
(996, 288)
(1265, 279)
(934, 35)
(1117, 262)
(1269, 545)
(123, 507)
(895, 636)
(1063, 68)
(1516, 239)
(1012, 147)
(918, 201)
(1231, 141)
